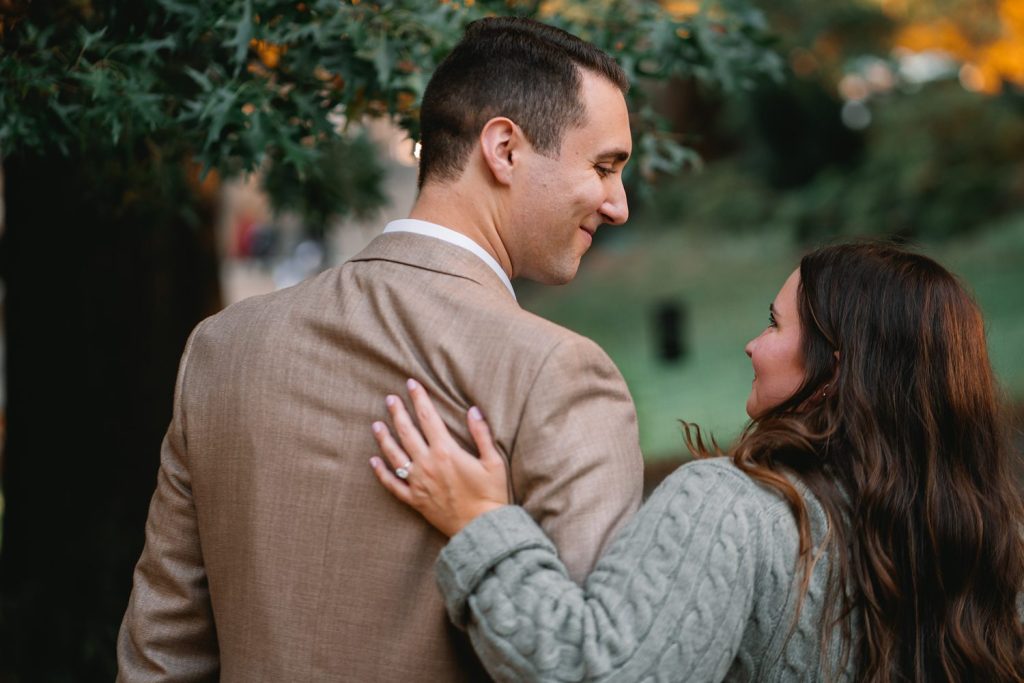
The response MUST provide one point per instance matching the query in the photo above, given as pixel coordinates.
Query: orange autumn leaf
(269, 53)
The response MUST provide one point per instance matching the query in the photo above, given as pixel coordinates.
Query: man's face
(559, 203)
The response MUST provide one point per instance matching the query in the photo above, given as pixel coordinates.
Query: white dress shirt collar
(457, 238)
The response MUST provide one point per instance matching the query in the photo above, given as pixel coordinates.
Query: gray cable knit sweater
(700, 586)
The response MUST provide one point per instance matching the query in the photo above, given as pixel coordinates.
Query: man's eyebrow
(613, 155)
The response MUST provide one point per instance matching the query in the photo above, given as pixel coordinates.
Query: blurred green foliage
(236, 84)
(347, 176)
(832, 31)
(934, 163)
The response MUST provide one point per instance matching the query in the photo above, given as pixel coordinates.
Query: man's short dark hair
(507, 66)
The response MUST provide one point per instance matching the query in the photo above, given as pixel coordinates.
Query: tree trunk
(107, 266)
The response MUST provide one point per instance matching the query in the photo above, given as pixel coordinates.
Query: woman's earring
(824, 391)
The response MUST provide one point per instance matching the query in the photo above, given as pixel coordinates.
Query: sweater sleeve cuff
(481, 544)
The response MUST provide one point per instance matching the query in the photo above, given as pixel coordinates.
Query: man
(271, 552)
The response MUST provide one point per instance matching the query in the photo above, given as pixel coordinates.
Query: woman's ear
(821, 393)
(500, 142)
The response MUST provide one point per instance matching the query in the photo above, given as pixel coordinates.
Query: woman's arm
(670, 599)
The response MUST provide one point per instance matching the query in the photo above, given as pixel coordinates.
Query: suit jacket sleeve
(576, 465)
(168, 631)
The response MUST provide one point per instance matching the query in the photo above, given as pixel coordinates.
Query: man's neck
(447, 206)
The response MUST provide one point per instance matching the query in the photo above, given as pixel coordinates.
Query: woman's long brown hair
(900, 437)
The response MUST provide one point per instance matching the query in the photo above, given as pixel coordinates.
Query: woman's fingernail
(390, 400)
(412, 384)
(475, 413)
(377, 427)
(374, 462)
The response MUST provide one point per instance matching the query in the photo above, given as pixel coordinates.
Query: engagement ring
(403, 471)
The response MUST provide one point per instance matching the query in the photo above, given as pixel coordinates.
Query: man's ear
(500, 141)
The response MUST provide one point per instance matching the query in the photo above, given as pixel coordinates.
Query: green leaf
(382, 60)
(115, 130)
(189, 11)
(201, 79)
(89, 39)
(242, 37)
(150, 48)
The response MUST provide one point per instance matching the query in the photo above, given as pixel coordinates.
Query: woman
(866, 526)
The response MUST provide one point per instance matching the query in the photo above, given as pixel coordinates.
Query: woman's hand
(444, 483)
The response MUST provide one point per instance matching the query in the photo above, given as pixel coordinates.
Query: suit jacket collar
(430, 253)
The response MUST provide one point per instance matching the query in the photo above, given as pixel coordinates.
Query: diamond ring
(404, 471)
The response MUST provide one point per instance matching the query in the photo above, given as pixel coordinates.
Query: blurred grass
(727, 282)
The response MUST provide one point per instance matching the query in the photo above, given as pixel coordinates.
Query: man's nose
(615, 208)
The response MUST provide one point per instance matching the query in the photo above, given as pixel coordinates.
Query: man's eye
(771, 320)
(604, 171)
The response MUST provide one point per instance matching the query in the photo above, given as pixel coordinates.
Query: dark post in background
(107, 265)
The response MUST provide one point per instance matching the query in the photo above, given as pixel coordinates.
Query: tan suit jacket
(273, 554)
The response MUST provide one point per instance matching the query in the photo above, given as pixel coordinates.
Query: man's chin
(554, 275)
(566, 276)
